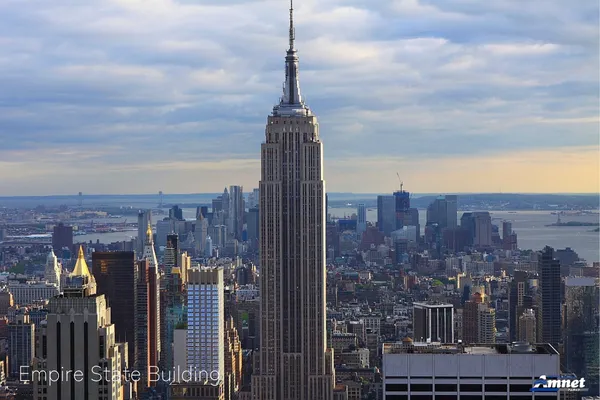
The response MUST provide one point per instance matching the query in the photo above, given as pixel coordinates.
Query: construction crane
(400, 180)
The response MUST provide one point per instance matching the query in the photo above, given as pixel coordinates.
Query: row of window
(468, 397)
(463, 387)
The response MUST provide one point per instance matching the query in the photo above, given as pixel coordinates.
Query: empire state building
(294, 361)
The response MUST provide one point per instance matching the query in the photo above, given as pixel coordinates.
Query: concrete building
(453, 371)
(434, 322)
(28, 292)
(52, 272)
(293, 362)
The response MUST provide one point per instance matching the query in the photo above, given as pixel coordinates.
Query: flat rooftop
(432, 305)
(457, 348)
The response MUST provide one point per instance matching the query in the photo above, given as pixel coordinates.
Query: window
(396, 387)
(421, 387)
(472, 387)
(495, 387)
(445, 387)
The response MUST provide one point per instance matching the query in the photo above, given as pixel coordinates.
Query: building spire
(292, 31)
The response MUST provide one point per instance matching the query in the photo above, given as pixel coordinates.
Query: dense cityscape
(288, 291)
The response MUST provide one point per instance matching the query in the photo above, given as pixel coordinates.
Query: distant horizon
(332, 192)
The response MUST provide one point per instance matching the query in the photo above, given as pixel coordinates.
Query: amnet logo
(555, 383)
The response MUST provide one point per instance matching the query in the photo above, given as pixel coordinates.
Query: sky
(137, 96)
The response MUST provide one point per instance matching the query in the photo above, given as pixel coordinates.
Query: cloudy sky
(136, 96)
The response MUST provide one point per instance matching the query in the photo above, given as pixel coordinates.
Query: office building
(200, 233)
(147, 322)
(402, 204)
(21, 344)
(411, 219)
(549, 298)
(52, 272)
(581, 335)
(217, 204)
(527, 331)
(147, 312)
(144, 221)
(208, 249)
(293, 361)
(361, 223)
(176, 213)
(453, 371)
(386, 214)
(442, 211)
(252, 225)
(236, 211)
(115, 274)
(6, 301)
(233, 360)
(479, 226)
(205, 337)
(163, 229)
(517, 302)
(171, 251)
(479, 321)
(78, 335)
(434, 322)
(27, 292)
(62, 237)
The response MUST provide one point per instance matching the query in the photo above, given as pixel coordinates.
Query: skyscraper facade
(236, 211)
(549, 300)
(442, 211)
(115, 276)
(361, 223)
(144, 220)
(294, 362)
(386, 214)
(62, 236)
(21, 343)
(434, 322)
(52, 273)
(581, 335)
(206, 322)
(402, 204)
(78, 336)
(518, 289)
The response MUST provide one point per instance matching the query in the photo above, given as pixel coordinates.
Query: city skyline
(113, 97)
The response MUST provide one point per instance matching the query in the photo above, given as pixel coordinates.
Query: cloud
(98, 94)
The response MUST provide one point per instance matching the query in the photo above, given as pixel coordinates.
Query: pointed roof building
(81, 283)
(149, 253)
